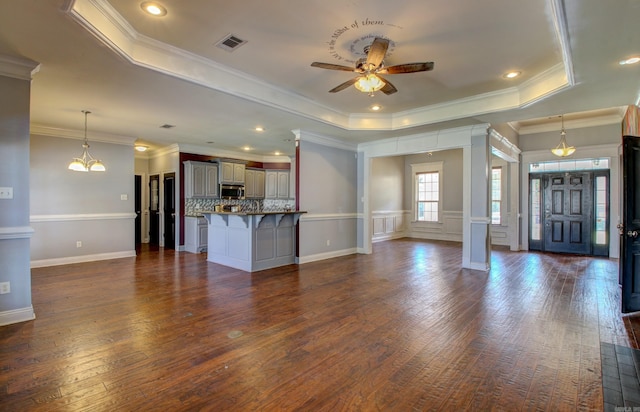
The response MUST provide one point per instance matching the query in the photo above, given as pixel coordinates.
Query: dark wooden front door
(154, 209)
(568, 206)
(169, 211)
(630, 228)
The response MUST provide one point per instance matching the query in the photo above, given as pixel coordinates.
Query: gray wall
(68, 206)
(328, 191)
(387, 184)
(14, 213)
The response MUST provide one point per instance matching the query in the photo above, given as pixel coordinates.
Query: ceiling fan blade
(408, 68)
(377, 51)
(388, 87)
(344, 85)
(332, 66)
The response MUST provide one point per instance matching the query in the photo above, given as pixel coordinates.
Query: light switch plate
(124, 197)
(6, 193)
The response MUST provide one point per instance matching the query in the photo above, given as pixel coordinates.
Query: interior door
(568, 206)
(138, 208)
(630, 227)
(154, 209)
(169, 211)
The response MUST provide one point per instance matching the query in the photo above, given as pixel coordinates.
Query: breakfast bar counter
(252, 241)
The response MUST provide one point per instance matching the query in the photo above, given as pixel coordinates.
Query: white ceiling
(136, 72)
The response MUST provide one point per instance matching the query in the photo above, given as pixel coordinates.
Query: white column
(476, 243)
(15, 229)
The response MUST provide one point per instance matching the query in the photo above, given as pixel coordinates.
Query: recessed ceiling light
(141, 147)
(512, 74)
(153, 8)
(259, 129)
(376, 107)
(630, 60)
(246, 148)
(277, 153)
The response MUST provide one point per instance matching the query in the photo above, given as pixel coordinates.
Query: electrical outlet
(6, 193)
(79, 243)
(5, 287)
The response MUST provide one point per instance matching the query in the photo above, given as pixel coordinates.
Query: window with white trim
(496, 195)
(427, 192)
(428, 196)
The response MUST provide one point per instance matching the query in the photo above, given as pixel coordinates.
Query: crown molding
(18, 67)
(212, 151)
(306, 136)
(79, 135)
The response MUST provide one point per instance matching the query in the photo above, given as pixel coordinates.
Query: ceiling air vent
(167, 126)
(230, 43)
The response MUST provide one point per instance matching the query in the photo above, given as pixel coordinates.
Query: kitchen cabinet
(254, 183)
(231, 173)
(200, 179)
(276, 184)
(196, 234)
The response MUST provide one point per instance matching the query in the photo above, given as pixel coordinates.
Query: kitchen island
(252, 241)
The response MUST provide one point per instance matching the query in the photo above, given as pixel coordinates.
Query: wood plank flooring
(403, 329)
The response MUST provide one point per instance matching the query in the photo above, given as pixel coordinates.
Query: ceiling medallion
(356, 36)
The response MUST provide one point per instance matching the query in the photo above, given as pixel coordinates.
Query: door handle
(632, 233)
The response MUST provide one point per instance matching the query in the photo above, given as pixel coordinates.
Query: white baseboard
(81, 259)
(327, 255)
(9, 317)
(451, 237)
(396, 235)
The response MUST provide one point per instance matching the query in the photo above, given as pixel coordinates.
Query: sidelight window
(601, 202)
(536, 209)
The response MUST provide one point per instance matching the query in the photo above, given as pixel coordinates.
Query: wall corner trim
(19, 232)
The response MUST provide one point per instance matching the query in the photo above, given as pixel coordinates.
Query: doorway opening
(138, 208)
(169, 206)
(154, 209)
(569, 212)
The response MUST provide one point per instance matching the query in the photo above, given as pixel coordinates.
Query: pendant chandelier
(562, 150)
(86, 162)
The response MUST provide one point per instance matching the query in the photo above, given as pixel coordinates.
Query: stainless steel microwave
(231, 192)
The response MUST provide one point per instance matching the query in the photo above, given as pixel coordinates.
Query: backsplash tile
(194, 207)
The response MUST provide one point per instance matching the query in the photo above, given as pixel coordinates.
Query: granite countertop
(251, 213)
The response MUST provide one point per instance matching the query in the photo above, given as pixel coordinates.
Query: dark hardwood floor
(402, 329)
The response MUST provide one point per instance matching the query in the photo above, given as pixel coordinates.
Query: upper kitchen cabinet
(277, 184)
(232, 173)
(200, 179)
(254, 184)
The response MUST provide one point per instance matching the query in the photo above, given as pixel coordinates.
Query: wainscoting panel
(388, 224)
(449, 228)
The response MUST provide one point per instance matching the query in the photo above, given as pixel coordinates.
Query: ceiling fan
(370, 68)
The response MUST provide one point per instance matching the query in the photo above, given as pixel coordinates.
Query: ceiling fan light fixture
(369, 83)
(562, 149)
